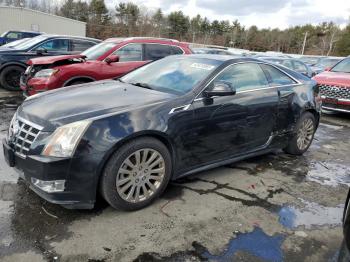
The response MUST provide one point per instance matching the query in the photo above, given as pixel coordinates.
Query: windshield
(97, 50)
(343, 66)
(173, 74)
(33, 41)
(4, 34)
(327, 62)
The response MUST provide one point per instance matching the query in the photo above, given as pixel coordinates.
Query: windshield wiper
(143, 85)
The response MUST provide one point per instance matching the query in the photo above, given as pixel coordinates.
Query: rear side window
(278, 78)
(175, 50)
(131, 52)
(54, 45)
(244, 76)
(14, 35)
(299, 67)
(155, 51)
(80, 45)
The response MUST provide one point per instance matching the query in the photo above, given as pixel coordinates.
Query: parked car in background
(112, 58)
(127, 138)
(212, 51)
(335, 87)
(10, 36)
(293, 64)
(324, 63)
(344, 252)
(13, 60)
(14, 43)
(310, 60)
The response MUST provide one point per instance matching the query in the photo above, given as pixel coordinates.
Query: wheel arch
(315, 113)
(162, 137)
(79, 78)
(2, 67)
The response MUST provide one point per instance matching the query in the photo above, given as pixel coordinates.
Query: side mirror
(41, 51)
(221, 88)
(327, 69)
(112, 59)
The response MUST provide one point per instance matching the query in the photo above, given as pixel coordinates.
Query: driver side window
(132, 52)
(243, 77)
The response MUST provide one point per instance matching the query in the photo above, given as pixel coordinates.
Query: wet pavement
(275, 207)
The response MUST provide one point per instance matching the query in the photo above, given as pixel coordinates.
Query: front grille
(22, 134)
(332, 91)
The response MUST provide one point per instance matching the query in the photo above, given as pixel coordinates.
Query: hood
(52, 59)
(69, 104)
(333, 78)
(11, 51)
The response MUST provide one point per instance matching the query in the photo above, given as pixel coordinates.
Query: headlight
(65, 139)
(46, 73)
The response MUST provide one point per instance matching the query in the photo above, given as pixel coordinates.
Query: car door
(284, 85)
(130, 57)
(232, 125)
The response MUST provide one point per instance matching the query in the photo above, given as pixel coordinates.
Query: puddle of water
(256, 243)
(312, 214)
(329, 174)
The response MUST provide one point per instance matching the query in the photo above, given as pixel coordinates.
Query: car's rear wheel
(10, 77)
(304, 134)
(136, 174)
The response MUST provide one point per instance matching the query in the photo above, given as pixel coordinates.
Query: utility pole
(304, 43)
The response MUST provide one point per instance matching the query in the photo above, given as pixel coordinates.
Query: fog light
(49, 186)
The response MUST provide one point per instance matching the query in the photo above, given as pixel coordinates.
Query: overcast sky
(262, 13)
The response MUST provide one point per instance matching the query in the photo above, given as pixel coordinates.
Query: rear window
(277, 77)
(81, 45)
(156, 51)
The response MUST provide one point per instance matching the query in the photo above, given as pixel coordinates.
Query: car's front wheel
(304, 134)
(136, 174)
(10, 77)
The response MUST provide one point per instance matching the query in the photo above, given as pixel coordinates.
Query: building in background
(17, 18)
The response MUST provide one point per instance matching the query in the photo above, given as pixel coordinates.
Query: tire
(121, 179)
(10, 77)
(304, 130)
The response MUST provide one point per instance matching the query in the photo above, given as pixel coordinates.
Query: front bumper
(78, 194)
(333, 104)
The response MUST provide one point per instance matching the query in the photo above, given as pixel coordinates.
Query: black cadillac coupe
(127, 138)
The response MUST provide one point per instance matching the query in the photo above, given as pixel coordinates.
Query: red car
(112, 58)
(334, 86)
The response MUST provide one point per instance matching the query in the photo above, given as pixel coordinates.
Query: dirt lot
(270, 208)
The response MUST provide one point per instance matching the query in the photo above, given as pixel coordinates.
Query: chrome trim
(335, 109)
(184, 108)
(21, 140)
(254, 62)
(338, 99)
(30, 123)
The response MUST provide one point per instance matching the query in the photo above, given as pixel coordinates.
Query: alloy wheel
(305, 134)
(140, 175)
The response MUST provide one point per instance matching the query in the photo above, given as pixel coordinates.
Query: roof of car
(70, 36)
(25, 31)
(121, 39)
(224, 58)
